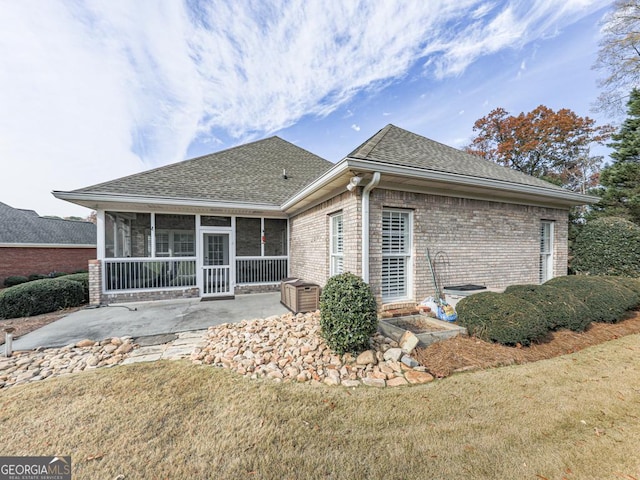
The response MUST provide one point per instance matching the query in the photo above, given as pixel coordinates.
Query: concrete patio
(145, 319)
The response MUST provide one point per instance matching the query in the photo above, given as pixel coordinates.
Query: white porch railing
(251, 270)
(149, 273)
(216, 280)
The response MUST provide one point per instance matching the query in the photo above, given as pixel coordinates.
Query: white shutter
(396, 254)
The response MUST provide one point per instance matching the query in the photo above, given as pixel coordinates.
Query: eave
(419, 180)
(129, 202)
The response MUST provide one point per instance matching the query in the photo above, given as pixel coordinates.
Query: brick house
(242, 219)
(30, 244)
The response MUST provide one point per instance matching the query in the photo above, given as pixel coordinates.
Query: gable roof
(250, 173)
(395, 146)
(26, 227)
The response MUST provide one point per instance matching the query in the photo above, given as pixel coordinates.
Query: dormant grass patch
(573, 417)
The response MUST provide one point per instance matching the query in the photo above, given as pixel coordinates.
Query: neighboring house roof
(393, 145)
(250, 173)
(26, 227)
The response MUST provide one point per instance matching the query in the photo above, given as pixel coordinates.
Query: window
(336, 245)
(175, 235)
(546, 251)
(396, 254)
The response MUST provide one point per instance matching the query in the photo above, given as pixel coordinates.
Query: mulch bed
(469, 353)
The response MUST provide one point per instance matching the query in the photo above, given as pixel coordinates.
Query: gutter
(140, 199)
(366, 191)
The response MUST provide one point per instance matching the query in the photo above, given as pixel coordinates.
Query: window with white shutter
(546, 251)
(396, 254)
(336, 247)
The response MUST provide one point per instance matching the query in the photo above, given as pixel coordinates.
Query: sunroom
(219, 255)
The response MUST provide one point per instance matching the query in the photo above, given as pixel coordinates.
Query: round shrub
(83, 279)
(15, 280)
(348, 314)
(502, 318)
(40, 296)
(561, 309)
(606, 300)
(608, 246)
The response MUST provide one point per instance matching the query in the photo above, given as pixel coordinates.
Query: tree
(551, 145)
(619, 55)
(621, 180)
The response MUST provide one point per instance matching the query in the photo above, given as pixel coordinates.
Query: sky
(92, 91)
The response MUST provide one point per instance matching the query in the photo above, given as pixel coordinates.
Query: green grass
(574, 417)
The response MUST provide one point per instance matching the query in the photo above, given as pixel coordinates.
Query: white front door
(216, 265)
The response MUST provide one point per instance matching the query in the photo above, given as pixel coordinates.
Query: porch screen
(396, 254)
(127, 234)
(175, 235)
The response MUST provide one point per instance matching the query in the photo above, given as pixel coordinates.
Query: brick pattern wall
(147, 296)
(95, 282)
(29, 260)
(309, 238)
(481, 242)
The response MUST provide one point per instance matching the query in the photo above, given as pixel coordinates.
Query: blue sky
(91, 91)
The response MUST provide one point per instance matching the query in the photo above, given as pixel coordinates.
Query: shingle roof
(393, 145)
(250, 173)
(25, 226)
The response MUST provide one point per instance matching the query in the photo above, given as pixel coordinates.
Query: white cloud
(99, 90)
(355, 127)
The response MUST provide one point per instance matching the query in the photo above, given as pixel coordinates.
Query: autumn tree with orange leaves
(554, 146)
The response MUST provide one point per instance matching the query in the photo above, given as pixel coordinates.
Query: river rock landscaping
(290, 348)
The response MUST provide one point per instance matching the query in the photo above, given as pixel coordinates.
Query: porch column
(95, 282)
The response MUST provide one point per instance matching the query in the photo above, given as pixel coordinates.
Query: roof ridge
(365, 149)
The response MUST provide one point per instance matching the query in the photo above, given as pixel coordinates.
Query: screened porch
(158, 251)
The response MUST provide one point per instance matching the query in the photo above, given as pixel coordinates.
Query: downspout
(365, 224)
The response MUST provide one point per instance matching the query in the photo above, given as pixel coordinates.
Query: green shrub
(348, 314)
(502, 318)
(632, 284)
(15, 280)
(606, 300)
(40, 296)
(37, 276)
(608, 246)
(83, 279)
(561, 309)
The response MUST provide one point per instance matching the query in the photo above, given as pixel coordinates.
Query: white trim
(325, 178)
(178, 202)
(460, 179)
(409, 257)
(100, 232)
(47, 245)
(549, 260)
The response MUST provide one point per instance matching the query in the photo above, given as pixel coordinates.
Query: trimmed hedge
(83, 279)
(502, 318)
(560, 307)
(15, 280)
(348, 314)
(608, 246)
(606, 299)
(40, 296)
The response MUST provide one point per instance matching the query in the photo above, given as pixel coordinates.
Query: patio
(142, 319)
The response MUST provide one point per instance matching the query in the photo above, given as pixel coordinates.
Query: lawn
(574, 417)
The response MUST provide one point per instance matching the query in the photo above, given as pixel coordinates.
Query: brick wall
(481, 242)
(309, 238)
(29, 260)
